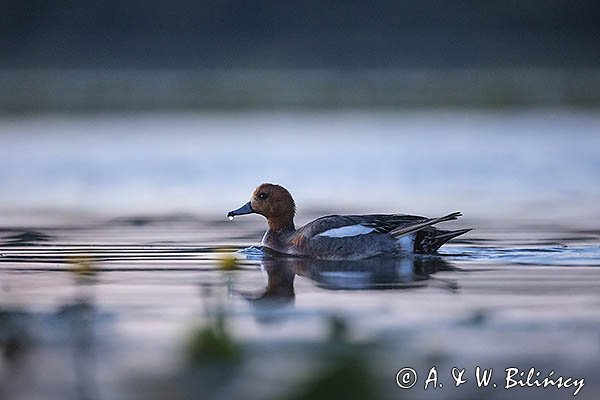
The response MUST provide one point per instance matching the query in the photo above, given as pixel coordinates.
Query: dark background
(195, 55)
(300, 34)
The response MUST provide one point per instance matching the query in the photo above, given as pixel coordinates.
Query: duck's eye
(263, 196)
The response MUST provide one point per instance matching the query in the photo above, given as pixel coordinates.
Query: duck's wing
(353, 225)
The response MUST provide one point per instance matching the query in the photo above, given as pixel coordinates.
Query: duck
(343, 237)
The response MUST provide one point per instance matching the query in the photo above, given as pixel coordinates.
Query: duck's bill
(245, 209)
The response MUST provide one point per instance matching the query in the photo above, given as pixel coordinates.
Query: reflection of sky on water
(108, 302)
(113, 316)
(423, 162)
(123, 332)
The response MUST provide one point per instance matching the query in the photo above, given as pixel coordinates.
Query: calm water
(121, 277)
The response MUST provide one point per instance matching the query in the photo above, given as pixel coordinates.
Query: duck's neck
(281, 225)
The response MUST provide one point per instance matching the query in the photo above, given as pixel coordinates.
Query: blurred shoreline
(31, 91)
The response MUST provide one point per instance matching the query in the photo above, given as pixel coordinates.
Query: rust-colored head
(273, 202)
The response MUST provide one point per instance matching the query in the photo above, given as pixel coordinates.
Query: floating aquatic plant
(82, 266)
(227, 260)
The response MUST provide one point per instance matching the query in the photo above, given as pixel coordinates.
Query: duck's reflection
(399, 273)
(372, 274)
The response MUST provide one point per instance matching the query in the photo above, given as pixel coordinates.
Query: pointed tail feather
(448, 235)
(438, 240)
(398, 232)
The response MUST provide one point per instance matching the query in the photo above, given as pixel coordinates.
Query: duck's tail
(398, 232)
(430, 241)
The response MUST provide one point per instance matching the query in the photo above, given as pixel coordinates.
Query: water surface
(120, 276)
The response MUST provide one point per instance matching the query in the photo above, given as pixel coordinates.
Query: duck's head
(273, 202)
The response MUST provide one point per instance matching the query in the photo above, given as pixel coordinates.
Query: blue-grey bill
(245, 209)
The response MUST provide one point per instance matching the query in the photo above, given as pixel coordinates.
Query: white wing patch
(347, 231)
